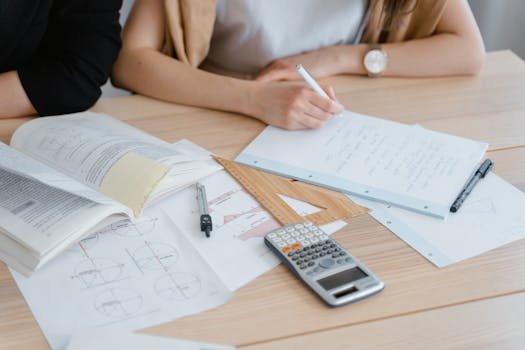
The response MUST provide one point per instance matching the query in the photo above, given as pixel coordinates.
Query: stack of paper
(377, 159)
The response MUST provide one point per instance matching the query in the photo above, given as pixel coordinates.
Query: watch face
(375, 61)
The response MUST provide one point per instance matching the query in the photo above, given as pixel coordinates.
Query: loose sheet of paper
(492, 216)
(128, 276)
(236, 250)
(374, 158)
(103, 339)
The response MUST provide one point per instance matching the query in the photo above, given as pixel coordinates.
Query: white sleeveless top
(249, 34)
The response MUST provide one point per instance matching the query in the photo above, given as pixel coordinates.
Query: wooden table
(475, 304)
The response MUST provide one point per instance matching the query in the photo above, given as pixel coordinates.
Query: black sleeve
(75, 58)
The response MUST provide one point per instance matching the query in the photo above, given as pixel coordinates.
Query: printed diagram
(93, 272)
(178, 286)
(253, 221)
(155, 256)
(126, 228)
(118, 303)
(89, 242)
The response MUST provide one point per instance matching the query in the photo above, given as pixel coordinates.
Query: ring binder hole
(388, 222)
(425, 207)
(367, 191)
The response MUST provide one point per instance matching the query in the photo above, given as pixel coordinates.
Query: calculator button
(303, 254)
(304, 231)
(295, 257)
(340, 261)
(302, 267)
(286, 249)
(325, 247)
(335, 255)
(277, 239)
(315, 256)
(272, 235)
(286, 236)
(317, 269)
(311, 263)
(281, 244)
(318, 232)
(279, 231)
(296, 246)
(291, 241)
(342, 254)
(307, 224)
(309, 235)
(295, 234)
(348, 260)
(289, 229)
(299, 262)
(323, 237)
(327, 263)
(314, 240)
(298, 226)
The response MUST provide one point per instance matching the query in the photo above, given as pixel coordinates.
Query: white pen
(310, 81)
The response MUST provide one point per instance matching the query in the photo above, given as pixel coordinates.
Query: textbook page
(127, 276)
(103, 153)
(490, 217)
(38, 216)
(377, 159)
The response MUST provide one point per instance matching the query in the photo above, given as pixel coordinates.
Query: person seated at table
(235, 55)
(55, 54)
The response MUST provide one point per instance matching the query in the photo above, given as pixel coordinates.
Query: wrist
(250, 98)
(350, 58)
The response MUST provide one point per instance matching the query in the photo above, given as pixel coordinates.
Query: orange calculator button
(296, 246)
(287, 249)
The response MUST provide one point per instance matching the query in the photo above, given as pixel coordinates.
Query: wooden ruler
(266, 188)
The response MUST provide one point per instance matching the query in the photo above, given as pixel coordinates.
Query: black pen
(206, 224)
(471, 183)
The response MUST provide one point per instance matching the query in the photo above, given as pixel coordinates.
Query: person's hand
(319, 63)
(293, 106)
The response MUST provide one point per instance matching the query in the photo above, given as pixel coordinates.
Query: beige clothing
(190, 26)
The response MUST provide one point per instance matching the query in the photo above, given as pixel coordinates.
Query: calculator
(321, 263)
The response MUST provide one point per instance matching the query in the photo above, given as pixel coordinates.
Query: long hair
(393, 12)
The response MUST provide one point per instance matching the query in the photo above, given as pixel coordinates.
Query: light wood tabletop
(474, 304)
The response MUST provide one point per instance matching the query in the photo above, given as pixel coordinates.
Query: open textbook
(129, 276)
(66, 176)
(377, 159)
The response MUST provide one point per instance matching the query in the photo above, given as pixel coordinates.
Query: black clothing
(63, 50)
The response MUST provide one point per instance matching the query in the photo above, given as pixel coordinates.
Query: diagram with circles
(93, 272)
(178, 286)
(118, 303)
(155, 256)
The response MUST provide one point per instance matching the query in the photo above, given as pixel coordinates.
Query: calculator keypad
(308, 248)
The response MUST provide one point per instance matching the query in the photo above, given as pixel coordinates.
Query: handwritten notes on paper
(405, 165)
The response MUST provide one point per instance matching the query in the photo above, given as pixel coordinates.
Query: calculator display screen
(341, 278)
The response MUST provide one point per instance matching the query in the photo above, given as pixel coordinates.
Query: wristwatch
(375, 61)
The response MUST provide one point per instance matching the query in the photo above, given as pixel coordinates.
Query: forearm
(151, 73)
(13, 99)
(438, 55)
